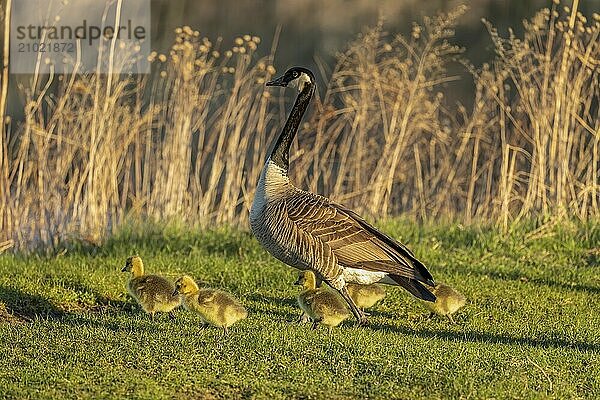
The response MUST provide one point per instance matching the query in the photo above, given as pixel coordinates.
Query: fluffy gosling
(365, 296)
(321, 305)
(215, 307)
(152, 292)
(448, 301)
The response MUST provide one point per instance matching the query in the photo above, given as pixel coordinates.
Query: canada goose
(365, 296)
(152, 292)
(448, 301)
(320, 304)
(310, 232)
(214, 306)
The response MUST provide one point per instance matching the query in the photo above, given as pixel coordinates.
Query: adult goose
(310, 232)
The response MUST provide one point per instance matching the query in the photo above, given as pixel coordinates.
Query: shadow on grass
(490, 338)
(227, 243)
(145, 324)
(544, 282)
(279, 302)
(101, 301)
(522, 277)
(28, 306)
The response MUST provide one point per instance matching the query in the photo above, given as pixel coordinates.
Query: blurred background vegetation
(313, 28)
(312, 32)
(423, 109)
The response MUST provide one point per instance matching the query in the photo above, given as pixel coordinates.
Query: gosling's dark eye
(295, 74)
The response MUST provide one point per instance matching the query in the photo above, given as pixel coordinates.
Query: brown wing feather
(354, 242)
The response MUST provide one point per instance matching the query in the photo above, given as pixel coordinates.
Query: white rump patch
(363, 277)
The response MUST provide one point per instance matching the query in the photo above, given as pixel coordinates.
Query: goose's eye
(295, 74)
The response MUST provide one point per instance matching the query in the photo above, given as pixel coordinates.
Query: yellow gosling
(448, 301)
(321, 305)
(215, 307)
(152, 292)
(365, 296)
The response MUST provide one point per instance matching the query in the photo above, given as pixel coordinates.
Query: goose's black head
(294, 76)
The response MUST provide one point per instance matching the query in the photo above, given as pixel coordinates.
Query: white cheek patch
(303, 80)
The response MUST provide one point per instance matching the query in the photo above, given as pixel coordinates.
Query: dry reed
(189, 141)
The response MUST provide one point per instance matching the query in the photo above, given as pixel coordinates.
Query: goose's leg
(360, 316)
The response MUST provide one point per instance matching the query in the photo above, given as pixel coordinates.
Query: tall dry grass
(96, 152)
(189, 141)
(5, 243)
(549, 129)
(382, 139)
(529, 146)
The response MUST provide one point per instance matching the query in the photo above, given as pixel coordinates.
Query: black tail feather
(414, 287)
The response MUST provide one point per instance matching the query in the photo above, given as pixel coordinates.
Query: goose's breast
(259, 204)
(273, 184)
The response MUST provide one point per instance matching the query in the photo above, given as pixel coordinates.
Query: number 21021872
(53, 47)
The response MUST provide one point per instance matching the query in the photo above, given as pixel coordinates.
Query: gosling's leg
(303, 318)
(358, 314)
(451, 319)
(225, 331)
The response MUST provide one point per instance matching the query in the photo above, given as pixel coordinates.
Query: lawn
(531, 327)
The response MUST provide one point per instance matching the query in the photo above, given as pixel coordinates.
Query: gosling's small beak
(299, 281)
(277, 82)
(175, 292)
(124, 269)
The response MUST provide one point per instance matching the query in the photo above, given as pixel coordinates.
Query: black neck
(281, 151)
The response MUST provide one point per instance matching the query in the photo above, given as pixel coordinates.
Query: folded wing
(355, 243)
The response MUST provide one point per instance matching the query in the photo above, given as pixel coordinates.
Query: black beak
(124, 269)
(299, 281)
(277, 82)
(175, 292)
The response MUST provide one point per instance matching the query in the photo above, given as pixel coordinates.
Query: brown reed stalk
(5, 219)
(93, 152)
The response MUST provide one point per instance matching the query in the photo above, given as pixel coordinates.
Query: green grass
(531, 328)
